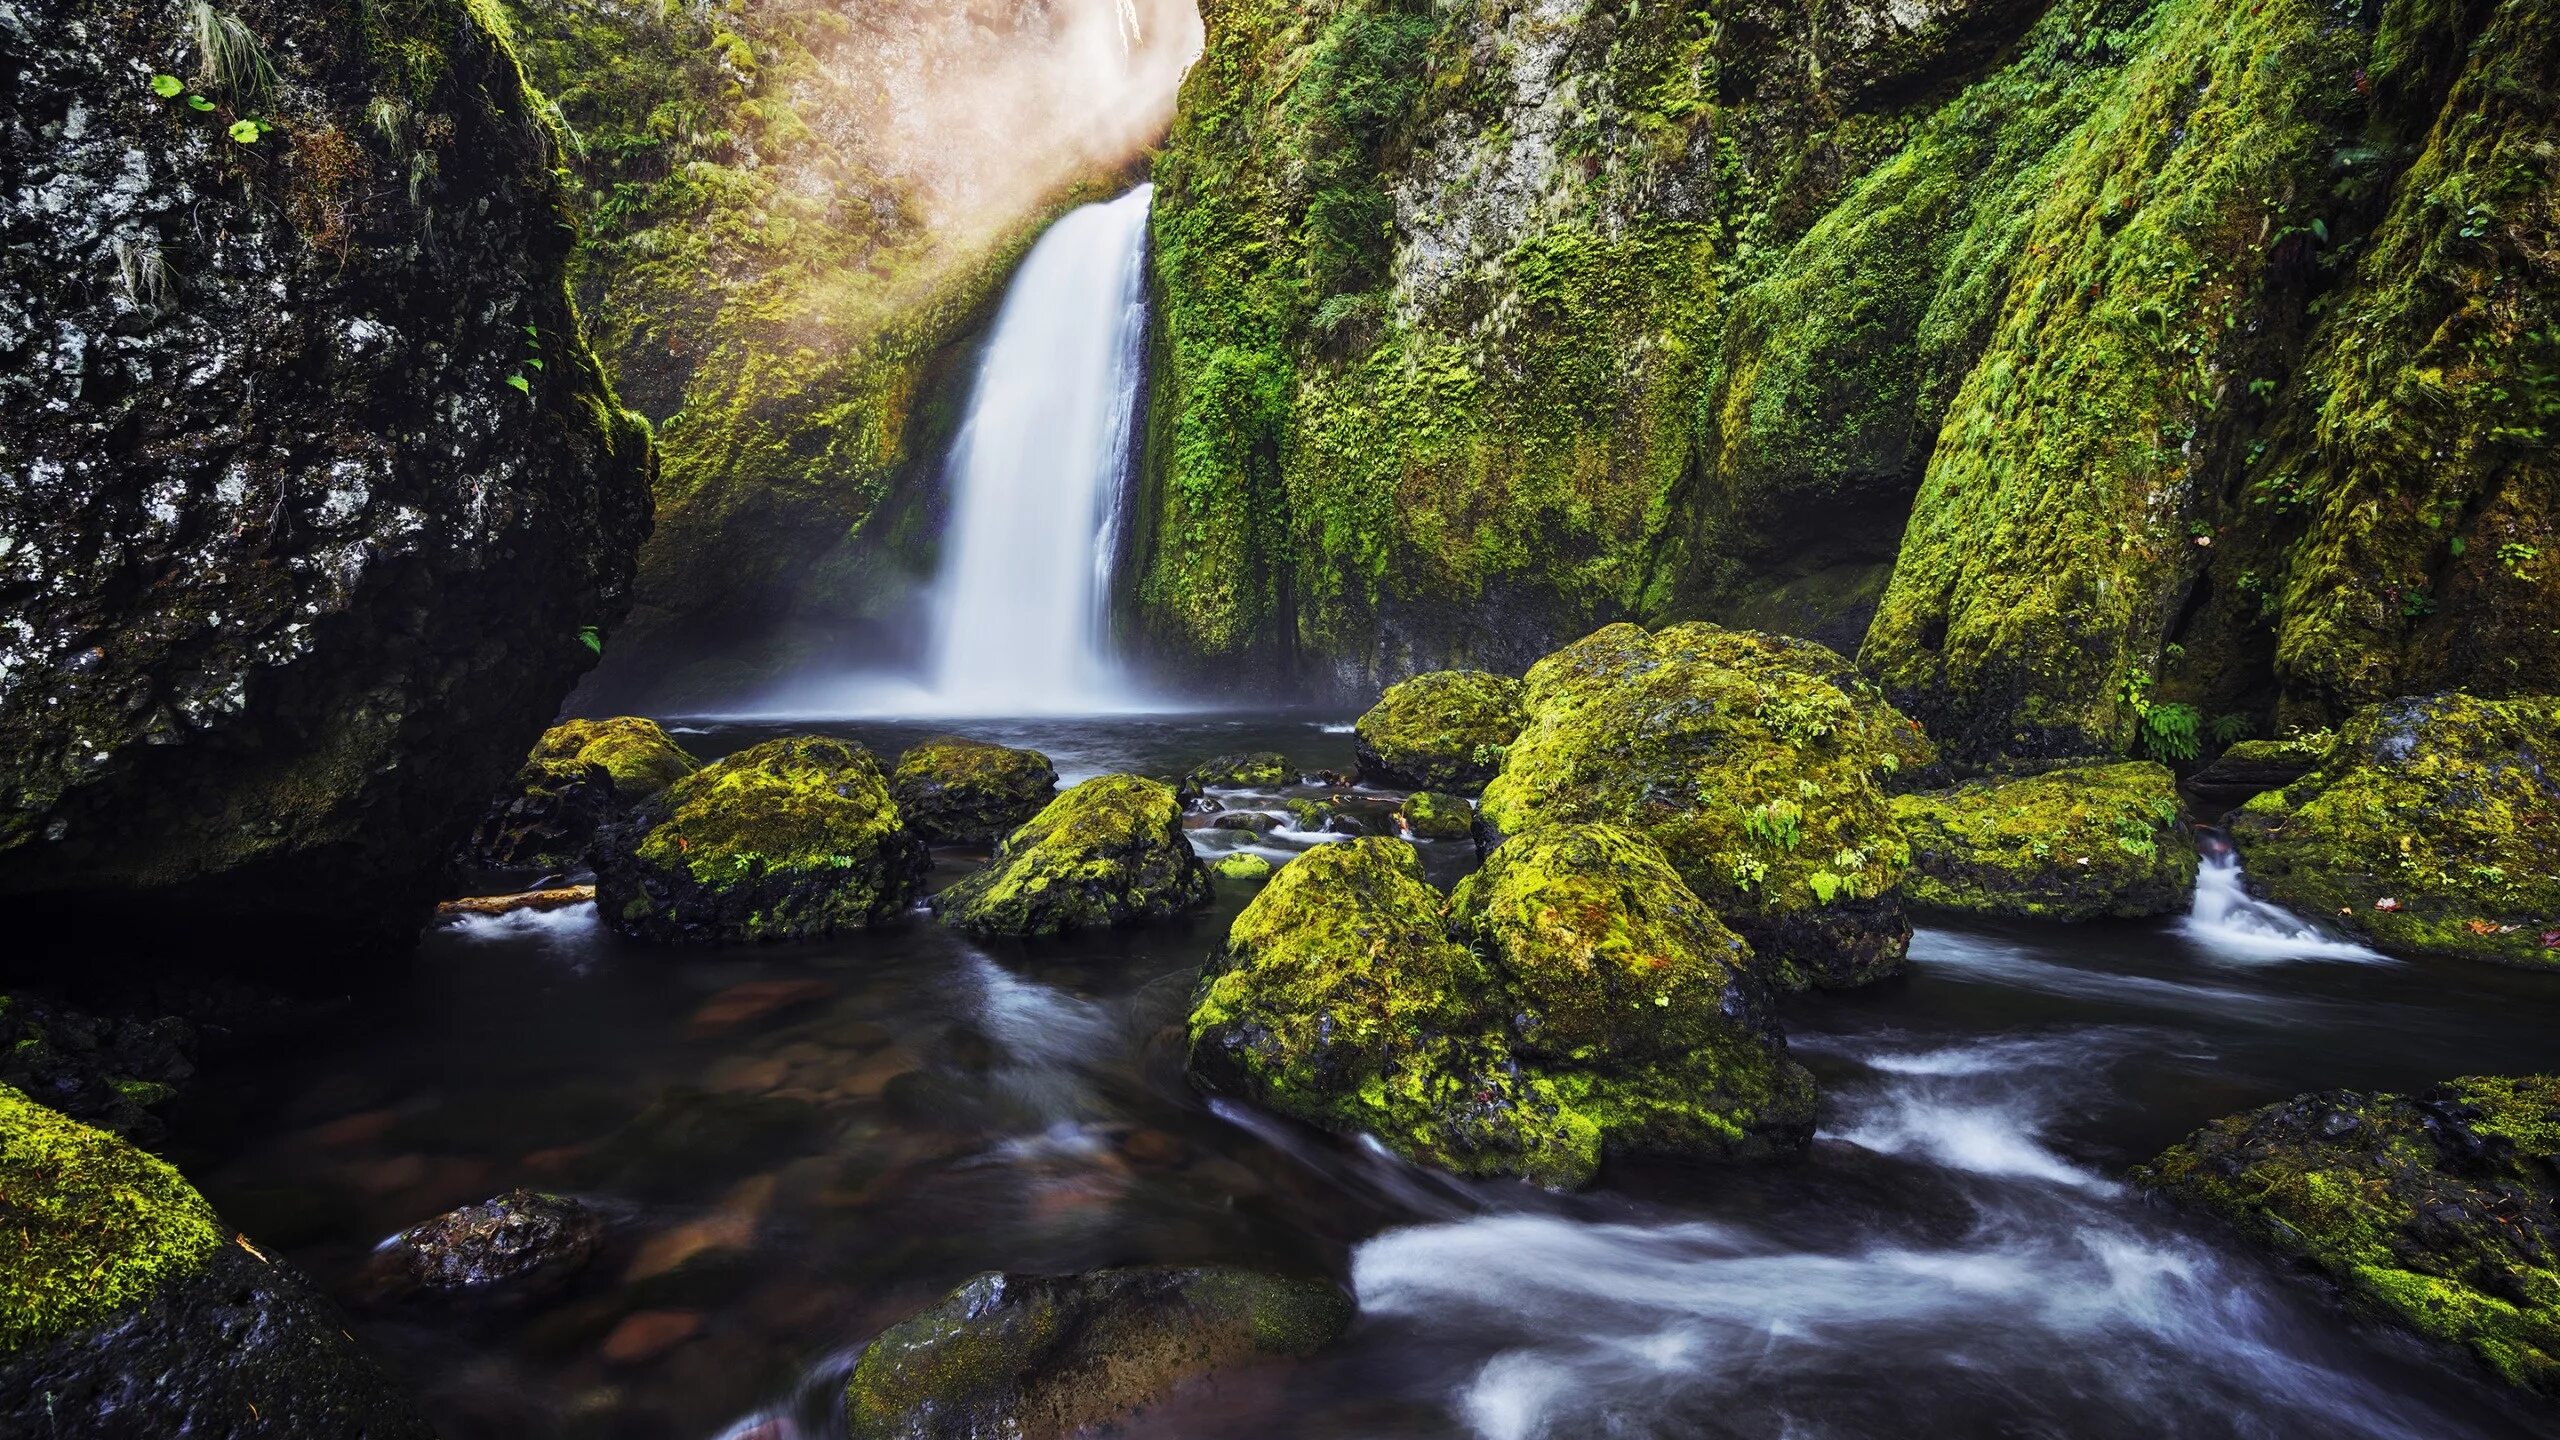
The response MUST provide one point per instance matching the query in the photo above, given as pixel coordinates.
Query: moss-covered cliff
(2080, 345)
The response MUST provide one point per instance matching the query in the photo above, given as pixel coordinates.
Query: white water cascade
(1036, 477)
(2235, 925)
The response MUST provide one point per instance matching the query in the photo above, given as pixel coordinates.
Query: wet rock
(1109, 852)
(1045, 1358)
(134, 1313)
(1309, 815)
(1254, 770)
(303, 546)
(558, 898)
(640, 756)
(792, 839)
(522, 1239)
(2071, 844)
(545, 824)
(2253, 767)
(1431, 815)
(2432, 827)
(111, 1072)
(2438, 1211)
(1243, 865)
(1441, 731)
(1249, 822)
(1746, 760)
(965, 792)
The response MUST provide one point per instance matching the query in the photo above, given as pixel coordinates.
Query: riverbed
(797, 1145)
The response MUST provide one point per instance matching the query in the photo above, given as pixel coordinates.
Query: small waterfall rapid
(1037, 474)
(2235, 925)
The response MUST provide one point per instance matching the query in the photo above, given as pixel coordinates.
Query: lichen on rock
(1441, 731)
(1050, 1357)
(791, 839)
(1761, 779)
(2432, 827)
(956, 791)
(2439, 1211)
(2075, 843)
(1109, 852)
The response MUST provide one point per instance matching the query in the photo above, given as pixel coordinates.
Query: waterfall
(1037, 474)
(2235, 925)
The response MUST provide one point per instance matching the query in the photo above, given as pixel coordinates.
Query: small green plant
(592, 638)
(1825, 886)
(2417, 605)
(1778, 822)
(2169, 731)
(229, 57)
(1748, 872)
(248, 132)
(2230, 729)
(2513, 557)
(167, 87)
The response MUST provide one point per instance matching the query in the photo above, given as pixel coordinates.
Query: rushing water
(1958, 1255)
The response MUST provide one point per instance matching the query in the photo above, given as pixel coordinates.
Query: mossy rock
(545, 824)
(2439, 1211)
(1344, 999)
(1243, 865)
(1109, 852)
(1050, 1357)
(2447, 807)
(1251, 770)
(1432, 815)
(792, 839)
(640, 755)
(1441, 731)
(128, 1309)
(2253, 767)
(1760, 777)
(2071, 844)
(956, 791)
(1651, 1016)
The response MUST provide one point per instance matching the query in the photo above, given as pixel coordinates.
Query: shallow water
(1957, 1257)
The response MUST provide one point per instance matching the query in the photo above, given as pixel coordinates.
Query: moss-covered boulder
(1249, 770)
(1599, 1008)
(956, 791)
(1441, 731)
(2440, 1211)
(1650, 1015)
(1109, 852)
(1051, 1357)
(791, 839)
(640, 755)
(129, 1310)
(2251, 768)
(1760, 777)
(2432, 827)
(1432, 815)
(545, 823)
(2070, 844)
(1243, 865)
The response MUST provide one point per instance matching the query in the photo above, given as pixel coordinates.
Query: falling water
(2235, 925)
(1036, 476)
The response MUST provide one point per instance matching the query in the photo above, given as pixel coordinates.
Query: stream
(798, 1145)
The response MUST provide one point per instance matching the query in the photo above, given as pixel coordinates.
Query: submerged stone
(1431, 815)
(129, 1311)
(1253, 770)
(2071, 844)
(2431, 828)
(2439, 1211)
(956, 791)
(1047, 1358)
(1109, 852)
(521, 1237)
(792, 839)
(1743, 757)
(1441, 731)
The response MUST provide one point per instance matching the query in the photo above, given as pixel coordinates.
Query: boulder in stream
(956, 791)
(2439, 1211)
(1434, 815)
(2432, 827)
(129, 1311)
(545, 824)
(1251, 770)
(522, 1239)
(639, 754)
(1109, 852)
(791, 839)
(1440, 731)
(1048, 1358)
(1746, 760)
(2076, 843)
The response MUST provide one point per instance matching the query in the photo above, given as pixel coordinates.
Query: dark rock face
(521, 1237)
(2438, 1211)
(1042, 1357)
(966, 792)
(544, 825)
(106, 1071)
(311, 495)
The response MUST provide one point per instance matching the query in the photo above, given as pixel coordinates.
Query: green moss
(2070, 844)
(1243, 865)
(2103, 415)
(1109, 852)
(956, 791)
(2436, 1211)
(1434, 816)
(1256, 770)
(1441, 731)
(639, 754)
(790, 839)
(1761, 779)
(2445, 807)
(94, 1225)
